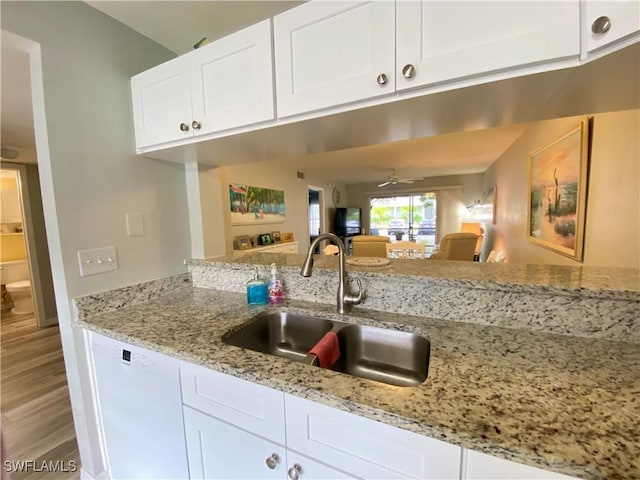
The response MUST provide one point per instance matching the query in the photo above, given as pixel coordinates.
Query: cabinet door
(218, 450)
(306, 468)
(232, 80)
(624, 22)
(479, 466)
(452, 40)
(255, 408)
(331, 53)
(365, 448)
(11, 208)
(161, 100)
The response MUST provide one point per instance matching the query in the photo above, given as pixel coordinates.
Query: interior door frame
(323, 213)
(30, 242)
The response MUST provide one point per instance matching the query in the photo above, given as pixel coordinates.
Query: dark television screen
(348, 221)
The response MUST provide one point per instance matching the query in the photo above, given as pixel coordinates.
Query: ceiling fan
(394, 179)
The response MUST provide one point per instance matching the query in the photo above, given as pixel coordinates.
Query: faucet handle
(353, 299)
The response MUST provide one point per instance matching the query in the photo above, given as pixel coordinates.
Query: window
(405, 217)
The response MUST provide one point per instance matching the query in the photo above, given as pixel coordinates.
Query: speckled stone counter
(557, 402)
(578, 301)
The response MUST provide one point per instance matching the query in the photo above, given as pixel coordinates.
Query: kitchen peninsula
(563, 400)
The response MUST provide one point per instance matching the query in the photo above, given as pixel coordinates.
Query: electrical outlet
(97, 260)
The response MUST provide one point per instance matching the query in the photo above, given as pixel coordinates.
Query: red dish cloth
(327, 350)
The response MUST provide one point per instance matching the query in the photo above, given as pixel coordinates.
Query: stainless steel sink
(388, 356)
(380, 354)
(282, 334)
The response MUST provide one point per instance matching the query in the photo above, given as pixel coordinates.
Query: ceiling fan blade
(405, 180)
(384, 184)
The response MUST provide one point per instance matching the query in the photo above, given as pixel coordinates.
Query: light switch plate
(97, 260)
(135, 224)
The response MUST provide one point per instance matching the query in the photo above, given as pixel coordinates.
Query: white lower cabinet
(478, 466)
(217, 450)
(365, 448)
(302, 467)
(236, 429)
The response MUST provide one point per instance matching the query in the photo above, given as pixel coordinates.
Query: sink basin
(283, 334)
(388, 356)
(380, 354)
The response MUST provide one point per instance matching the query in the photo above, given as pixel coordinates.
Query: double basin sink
(379, 354)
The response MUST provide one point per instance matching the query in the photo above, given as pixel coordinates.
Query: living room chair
(496, 256)
(405, 250)
(474, 227)
(331, 249)
(456, 246)
(369, 246)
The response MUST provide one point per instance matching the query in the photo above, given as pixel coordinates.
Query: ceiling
(178, 25)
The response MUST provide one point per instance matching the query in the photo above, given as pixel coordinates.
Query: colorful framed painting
(255, 205)
(558, 193)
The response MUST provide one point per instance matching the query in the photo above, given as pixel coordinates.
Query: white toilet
(15, 276)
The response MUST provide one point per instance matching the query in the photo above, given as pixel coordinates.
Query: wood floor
(36, 413)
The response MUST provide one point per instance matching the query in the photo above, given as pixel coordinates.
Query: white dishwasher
(141, 408)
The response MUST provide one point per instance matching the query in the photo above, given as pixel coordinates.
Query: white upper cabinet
(608, 23)
(223, 85)
(232, 80)
(161, 100)
(332, 53)
(439, 41)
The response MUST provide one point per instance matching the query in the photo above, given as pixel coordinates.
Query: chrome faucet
(344, 299)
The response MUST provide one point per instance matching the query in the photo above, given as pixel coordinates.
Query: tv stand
(348, 244)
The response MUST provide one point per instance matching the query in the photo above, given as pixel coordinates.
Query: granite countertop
(560, 403)
(589, 281)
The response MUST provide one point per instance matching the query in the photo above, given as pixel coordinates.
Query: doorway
(37, 421)
(24, 255)
(315, 221)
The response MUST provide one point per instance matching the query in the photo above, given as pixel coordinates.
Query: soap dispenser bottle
(256, 290)
(276, 286)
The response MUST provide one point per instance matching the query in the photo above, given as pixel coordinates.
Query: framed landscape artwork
(255, 205)
(558, 192)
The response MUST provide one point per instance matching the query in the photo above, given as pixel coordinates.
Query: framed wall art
(243, 242)
(265, 239)
(255, 205)
(558, 193)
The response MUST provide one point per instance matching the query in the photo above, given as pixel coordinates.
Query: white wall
(612, 236)
(262, 174)
(89, 174)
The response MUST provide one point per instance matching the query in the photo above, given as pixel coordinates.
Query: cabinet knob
(295, 471)
(272, 461)
(382, 79)
(601, 25)
(184, 127)
(408, 71)
(195, 125)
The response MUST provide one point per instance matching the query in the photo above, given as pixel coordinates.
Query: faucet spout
(343, 298)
